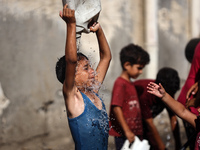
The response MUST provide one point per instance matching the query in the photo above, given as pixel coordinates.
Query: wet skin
(85, 75)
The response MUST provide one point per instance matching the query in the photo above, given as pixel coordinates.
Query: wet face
(85, 75)
(135, 70)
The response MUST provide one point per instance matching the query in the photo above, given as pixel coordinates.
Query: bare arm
(68, 16)
(175, 129)
(174, 105)
(105, 54)
(69, 88)
(120, 118)
(155, 134)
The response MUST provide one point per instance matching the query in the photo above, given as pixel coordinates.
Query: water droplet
(168, 137)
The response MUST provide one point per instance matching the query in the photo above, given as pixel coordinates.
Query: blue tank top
(90, 129)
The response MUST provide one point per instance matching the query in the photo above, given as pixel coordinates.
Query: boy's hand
(96, 26)
(156, 90)
(68, 15)
(130, 136)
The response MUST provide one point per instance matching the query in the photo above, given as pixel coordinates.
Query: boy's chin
(90, 88)
(93, 87)
(135, 77)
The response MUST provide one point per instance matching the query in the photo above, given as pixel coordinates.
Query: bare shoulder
(74, 102)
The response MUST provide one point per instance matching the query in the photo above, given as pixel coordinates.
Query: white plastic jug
(85, 11)
(137, 145)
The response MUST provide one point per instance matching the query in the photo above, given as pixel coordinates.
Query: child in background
(87, 117)
(125, 114)
(151, 106)
(192, 53)
(178, 108)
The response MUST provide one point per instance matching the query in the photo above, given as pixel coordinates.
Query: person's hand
(190, 103)
(68, 15)
(156, 90)
(195, 101)
(95, 27)
(192, 91)
(130, 136)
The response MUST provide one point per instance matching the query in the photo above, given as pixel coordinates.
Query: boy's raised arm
(104, 50)
(68, 16)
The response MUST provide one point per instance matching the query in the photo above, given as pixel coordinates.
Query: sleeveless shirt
(90, 129)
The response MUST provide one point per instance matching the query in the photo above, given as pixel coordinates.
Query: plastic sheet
(137, 145)
(85, 12)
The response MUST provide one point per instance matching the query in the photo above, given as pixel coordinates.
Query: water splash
(168, 137)
(78, 44)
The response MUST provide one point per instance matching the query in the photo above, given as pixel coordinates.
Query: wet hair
(169, 79)
(61, 66)
(133, 54)
(190, 48)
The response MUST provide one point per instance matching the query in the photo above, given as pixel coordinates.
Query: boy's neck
(93, 98)
(87, 91)
(125, 76)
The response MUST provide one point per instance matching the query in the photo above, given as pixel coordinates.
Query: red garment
(193, 76)
(149, 105)
(125, 96)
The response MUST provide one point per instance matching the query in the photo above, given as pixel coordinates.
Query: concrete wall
(173, 34)
(31, 41)
(32, 38)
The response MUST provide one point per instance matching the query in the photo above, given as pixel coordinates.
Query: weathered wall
(32, 38)
(173, 34)
(30, 44)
